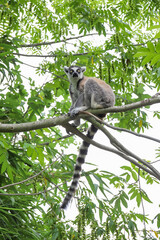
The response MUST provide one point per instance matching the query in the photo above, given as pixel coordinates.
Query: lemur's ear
(83, 69)
(66, 69)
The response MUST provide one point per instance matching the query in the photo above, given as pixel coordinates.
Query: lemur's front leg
(76, 108)
(78, 105)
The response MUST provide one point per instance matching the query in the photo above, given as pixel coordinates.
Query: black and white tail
(77, 171)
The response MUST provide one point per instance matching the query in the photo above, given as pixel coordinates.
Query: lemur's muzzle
(75, 75)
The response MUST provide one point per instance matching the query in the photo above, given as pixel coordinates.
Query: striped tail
(80, 160)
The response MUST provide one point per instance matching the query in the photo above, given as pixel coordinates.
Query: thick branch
(45, 123)
(61, 120)
(125, 108)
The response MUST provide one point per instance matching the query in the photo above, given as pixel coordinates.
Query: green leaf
(125, 195)
(154, 27)
(141, 54)
(157, 35)
(3, 155)
(49, 86)
(155, 19)
(134, 175)
(145, 196)
(112, 226)
(117, 204)
(151, 46)
(155, 59)
(131, 225)
(138, 199)
(124, 202)
(40, 156)
(158, 47)
(9, 171)
(158, 220)
(4, 166)
(93, 186)
(134, 194)
(148, 58)
(128, 178)
(140, 216)
(30, 151)
(140, 90)
(126, 168)
(101, 206)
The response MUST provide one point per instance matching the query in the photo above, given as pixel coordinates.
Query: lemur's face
(74, 73)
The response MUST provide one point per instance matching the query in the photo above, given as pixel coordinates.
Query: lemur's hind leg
(95, 96)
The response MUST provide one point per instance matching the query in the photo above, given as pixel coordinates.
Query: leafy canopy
(117, 41)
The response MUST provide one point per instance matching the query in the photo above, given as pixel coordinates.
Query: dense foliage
(117, 41)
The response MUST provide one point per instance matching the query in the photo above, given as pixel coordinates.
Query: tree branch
(61, 120)
(54, 42)
(48, 55)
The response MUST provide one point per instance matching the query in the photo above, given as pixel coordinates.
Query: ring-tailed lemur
(85, 92)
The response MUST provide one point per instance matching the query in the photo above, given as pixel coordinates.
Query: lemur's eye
(71, 71)
(78, 71)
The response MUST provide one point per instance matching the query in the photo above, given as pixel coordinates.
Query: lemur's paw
(73, 112)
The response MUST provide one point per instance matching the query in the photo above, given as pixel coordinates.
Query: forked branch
(146, 167)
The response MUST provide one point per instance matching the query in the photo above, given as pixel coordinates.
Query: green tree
(118, 41)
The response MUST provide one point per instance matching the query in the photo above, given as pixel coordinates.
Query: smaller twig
(57, 186)
(25, 194)
(154, 162)
(121, 129)
(33, 194)
(42, 69)
(55, 42)
(26, 180)
(60, 138)
(143, 209)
